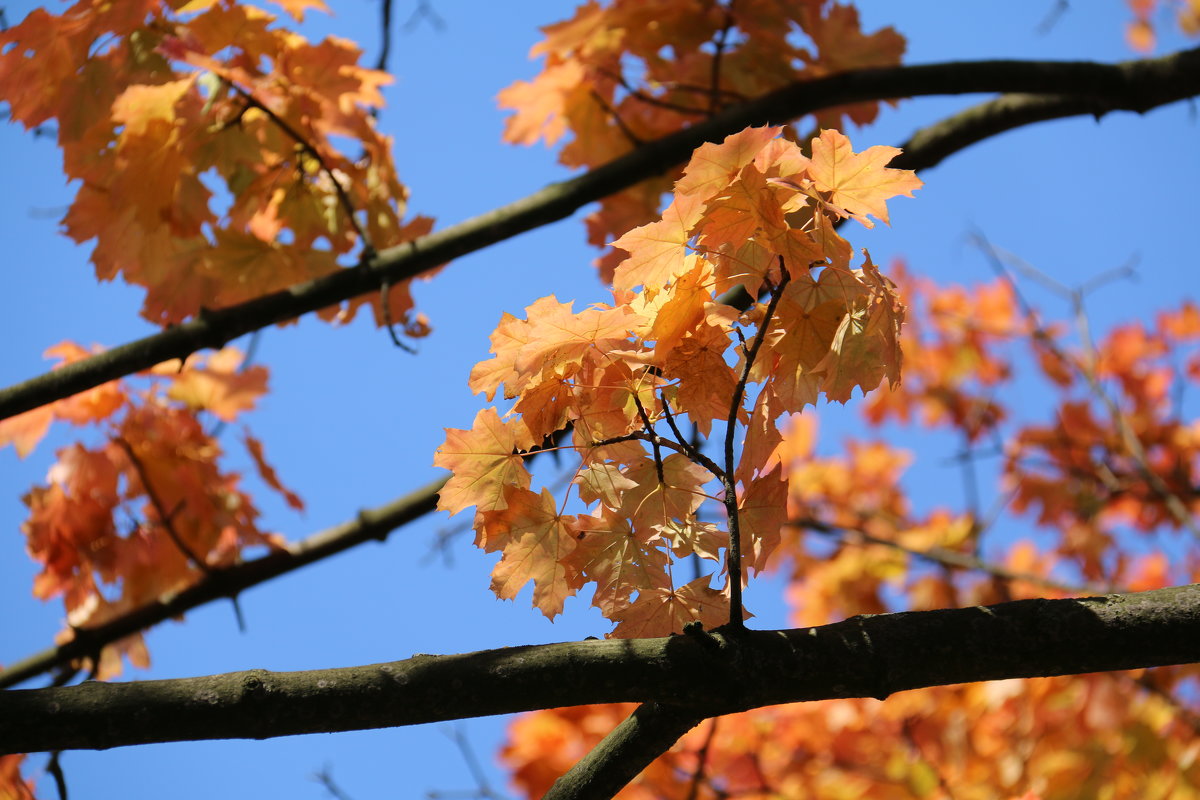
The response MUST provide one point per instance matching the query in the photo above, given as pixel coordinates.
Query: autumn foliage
(220, 156)
(754, 212)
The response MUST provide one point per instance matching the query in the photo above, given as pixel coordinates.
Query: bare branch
(1094, 88)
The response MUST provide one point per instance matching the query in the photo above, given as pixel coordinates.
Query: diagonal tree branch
(700, 675)
(1098, 88)
(228, 582)
(628, 749)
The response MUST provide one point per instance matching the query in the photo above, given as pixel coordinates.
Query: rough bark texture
(701, 674)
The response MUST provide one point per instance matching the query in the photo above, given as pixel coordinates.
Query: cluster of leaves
(164, 105)
(853, 544)
(150, 511)
(201, 137)
(622, 73)
(1103, 735)
(754, 212)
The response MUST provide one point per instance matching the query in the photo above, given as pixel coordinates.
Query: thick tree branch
(702, 675)
(1096, 88)
(375, 523)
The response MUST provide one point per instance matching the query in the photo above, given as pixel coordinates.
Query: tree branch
(866, 656)
(375, 523)
(628, 749)
(1095, 88)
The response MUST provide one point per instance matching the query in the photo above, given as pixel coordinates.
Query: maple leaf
(219, 385)
(762, 510)
(663, 611)
(747, 208)
(24, 431)
(656, 250)
(510, 335)
(540, 104)
(618, 560)
(682, 308)
(714, 166)
(842, 46)
(603, 482)
(858, 182)
(705, 382)
(484, 462)
(651, 503)
(690, 537)
(536, 541)
(560, 337)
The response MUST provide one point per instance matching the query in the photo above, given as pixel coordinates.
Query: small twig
(247, 362)
(168, 523)
(164, 516)
(714, 103)
(950, 558)
(652, 437)
(308, 149)
(1052, 17)
(424, 10)
(633, 138)
(484, 789)
(690, 447)
(650, 99)
(385, 35)
(54, 767)
(701, 758)
(696, 456)
(734, 553)
(324, 776)
(384, 288)
(1129, 438)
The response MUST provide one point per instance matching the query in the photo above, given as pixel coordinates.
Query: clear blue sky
(352, 422)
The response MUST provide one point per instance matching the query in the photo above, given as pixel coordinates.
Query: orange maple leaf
(858, 182)
(656, 251)
(219, 386)
(663, 611)
(650, 503)
(484, 462)
(536, 541)
(762, 510)
(618, 560)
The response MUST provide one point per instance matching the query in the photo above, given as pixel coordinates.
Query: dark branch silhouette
(697, 675)
(1096, 89)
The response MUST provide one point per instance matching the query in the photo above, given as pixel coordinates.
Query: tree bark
(699, 674)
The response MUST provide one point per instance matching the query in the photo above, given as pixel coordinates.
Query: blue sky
(352, 422)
